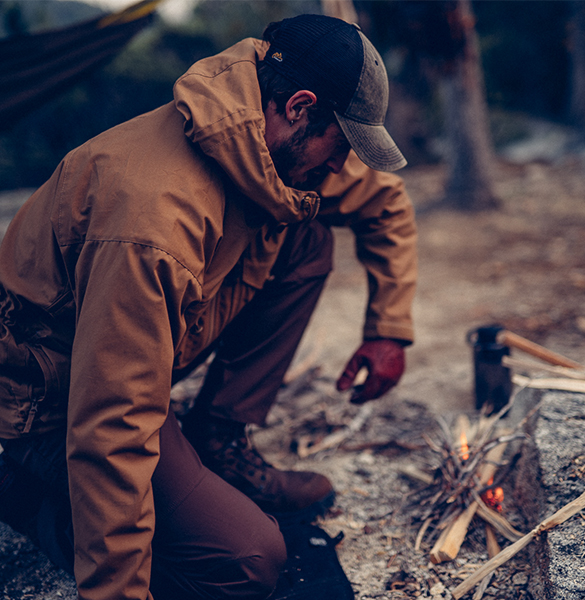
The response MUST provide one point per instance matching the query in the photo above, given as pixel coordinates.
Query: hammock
(36, 67)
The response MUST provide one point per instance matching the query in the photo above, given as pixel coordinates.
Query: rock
(549, 477)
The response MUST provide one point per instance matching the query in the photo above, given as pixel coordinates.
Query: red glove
(384, 359)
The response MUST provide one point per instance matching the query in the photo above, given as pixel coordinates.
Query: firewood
(412, 471)
(530, 365)
(337, 437)
(506, 554)
(447, 547)
(552, 383)
(497, 521)
(421, 533)
(452, 541)
(436, 550)
(493, 547)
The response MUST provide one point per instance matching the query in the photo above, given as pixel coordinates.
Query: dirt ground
(522, 266)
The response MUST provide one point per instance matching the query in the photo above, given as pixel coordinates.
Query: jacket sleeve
(129, 300)
(377, 208)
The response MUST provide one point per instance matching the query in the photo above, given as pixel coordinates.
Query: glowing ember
(493, 497)
(464, 446)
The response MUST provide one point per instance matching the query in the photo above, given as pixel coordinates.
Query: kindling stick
(556, 519)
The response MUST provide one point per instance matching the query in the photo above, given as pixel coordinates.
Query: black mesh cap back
(322, 54)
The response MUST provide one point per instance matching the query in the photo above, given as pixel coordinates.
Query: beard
(289, 156)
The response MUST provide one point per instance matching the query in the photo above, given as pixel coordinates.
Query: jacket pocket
(29, 389)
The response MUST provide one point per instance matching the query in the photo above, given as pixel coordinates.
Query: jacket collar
(220, 101)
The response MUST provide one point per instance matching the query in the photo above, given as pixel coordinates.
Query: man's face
(304, 161)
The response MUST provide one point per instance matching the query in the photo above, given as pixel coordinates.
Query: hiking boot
(225, 449)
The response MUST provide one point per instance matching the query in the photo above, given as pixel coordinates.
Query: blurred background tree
(528, 51)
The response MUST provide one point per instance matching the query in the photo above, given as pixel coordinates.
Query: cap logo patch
(277, 56)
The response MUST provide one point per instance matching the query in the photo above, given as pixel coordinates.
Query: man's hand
(384, 359)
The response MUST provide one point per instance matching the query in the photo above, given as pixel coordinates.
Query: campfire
(466, 482)
(470, 464)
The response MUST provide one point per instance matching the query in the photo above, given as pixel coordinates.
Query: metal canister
(492, 380)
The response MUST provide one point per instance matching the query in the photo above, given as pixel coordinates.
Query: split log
(496, 520)
(552, 383)
(447, 546)
(529, 365)
(556, 519)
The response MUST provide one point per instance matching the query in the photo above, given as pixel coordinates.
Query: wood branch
(333, 440)
(412, 471)
(493, 549)
(421, 533)
(530, 365)
(554, 383)
(513, 340)
(482, 587)
(431, 444)
(507, 553)
(497, 521)
(383, 444)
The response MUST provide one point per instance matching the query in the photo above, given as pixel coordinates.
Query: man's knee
(249, 568)
(263, 565)
(255, 563)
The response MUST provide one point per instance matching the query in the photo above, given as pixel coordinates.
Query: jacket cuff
(395, 331)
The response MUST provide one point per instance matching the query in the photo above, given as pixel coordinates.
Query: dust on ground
(522, 266)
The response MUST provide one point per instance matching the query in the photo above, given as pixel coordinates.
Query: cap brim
(372, 144)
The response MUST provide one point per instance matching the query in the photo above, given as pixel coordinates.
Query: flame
(464, 446)
(493, 497)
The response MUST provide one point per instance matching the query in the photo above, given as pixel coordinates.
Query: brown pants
(210, 542)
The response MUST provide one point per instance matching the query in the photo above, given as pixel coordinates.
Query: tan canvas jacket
(111, 277)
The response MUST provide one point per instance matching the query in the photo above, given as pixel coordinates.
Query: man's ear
(297, 104)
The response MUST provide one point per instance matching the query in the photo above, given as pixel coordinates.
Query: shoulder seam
(138, 244)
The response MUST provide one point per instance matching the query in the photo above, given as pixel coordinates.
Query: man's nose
(336, 162)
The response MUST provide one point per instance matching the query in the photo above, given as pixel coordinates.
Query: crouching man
(201, 227)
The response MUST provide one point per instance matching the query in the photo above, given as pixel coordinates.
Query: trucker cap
(335, 60)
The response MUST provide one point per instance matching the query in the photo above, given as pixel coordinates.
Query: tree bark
(341, 9)
(577, 101)
(471, 157)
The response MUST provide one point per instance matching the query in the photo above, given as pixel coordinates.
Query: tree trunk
(470, 181)
(342, 9)
(577, 102)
